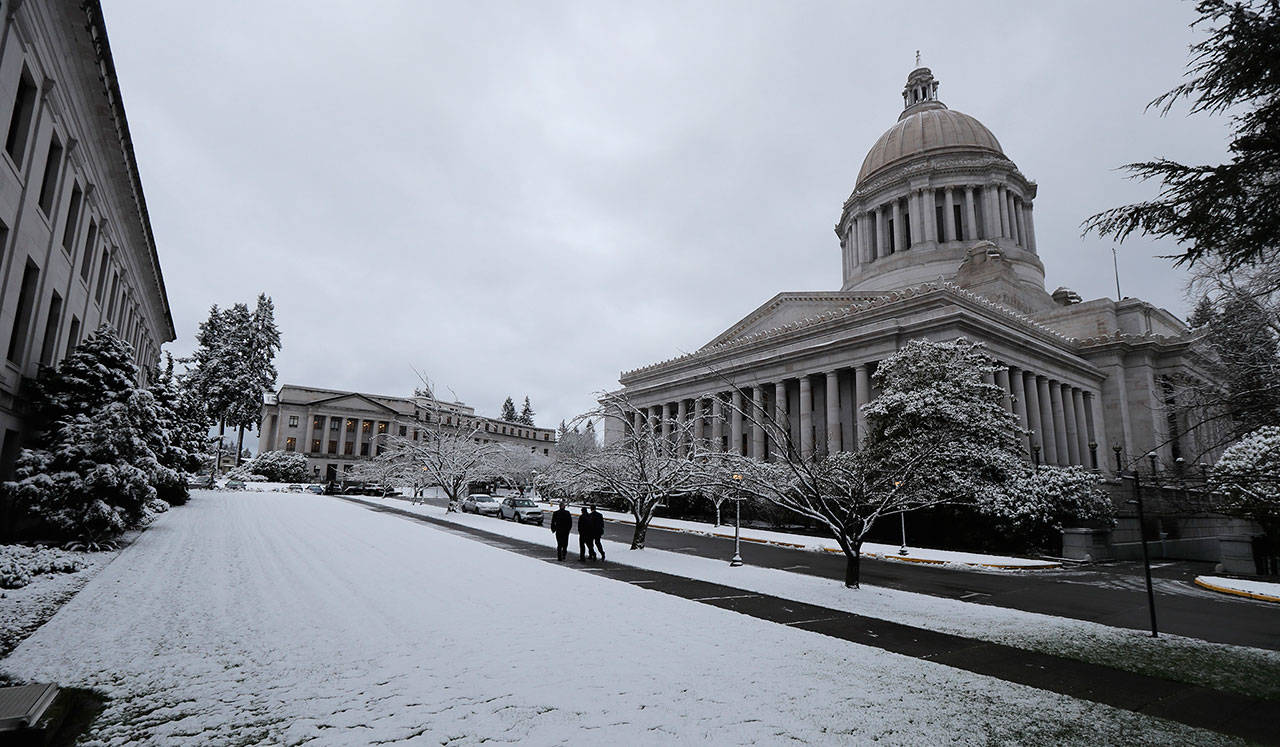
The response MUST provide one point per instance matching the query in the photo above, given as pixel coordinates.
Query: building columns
(1083, 438)
(971, 214)
(862, 395)
(757, 415)
(699, 430)
(1059, 423)
(1019, 393)
(780, 418)
(682, 428)
(929, 214)
(1029, 239)
(899, 235)
(806, 418)
(948, 216)
(1044, 426)
(882, 233)
(1074, 455)
(735, 427)
(1002, 381)
(717, 423)
(833, 412)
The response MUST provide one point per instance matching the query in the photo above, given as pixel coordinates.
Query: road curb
(1236, 592)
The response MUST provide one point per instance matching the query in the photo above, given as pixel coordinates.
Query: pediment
(786, 308)
(355, 402)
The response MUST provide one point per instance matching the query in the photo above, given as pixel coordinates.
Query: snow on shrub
(272, 466)
(1247, 479)
(1039, 503)
(19, 564)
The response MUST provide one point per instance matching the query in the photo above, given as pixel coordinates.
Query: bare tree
(450, 458)
(517, 467)
(938, 434)
(643, 469)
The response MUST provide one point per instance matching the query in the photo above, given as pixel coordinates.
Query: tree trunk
(717, 514)
(239, 445)
(852, 566)
(637, 539)
(217, 459)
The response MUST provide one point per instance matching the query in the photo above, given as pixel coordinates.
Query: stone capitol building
(938, 241)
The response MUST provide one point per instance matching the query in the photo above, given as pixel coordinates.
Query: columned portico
(758, 421)
(806, 418)
(833, 413)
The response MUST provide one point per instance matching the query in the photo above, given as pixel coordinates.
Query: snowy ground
(1240, 669)
(825, 544)
(24, 609)
(284, 618)
(1262, 590)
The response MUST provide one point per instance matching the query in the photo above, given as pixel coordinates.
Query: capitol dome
(928, 128)
(934, 192)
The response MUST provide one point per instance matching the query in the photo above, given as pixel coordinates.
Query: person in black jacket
(597, 529)
(561, 526)
(586, 525)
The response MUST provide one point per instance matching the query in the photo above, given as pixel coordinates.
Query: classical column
(882, 233)
(899, 235)
(682, 428)
(1030, 225)
(948, 216)
(699, 424)
(637, 424)
(1059, 423)
(717, 423)
(1002, 206)
(1073, 432)
(1002, 381)
(833, 412)
(970, 214)
(806, 418)
(861, 396)
(1097, 432)
(1019, 392)
(993, 212)
(780, 418)
(735, 423)
(655, 421)
(913, 218)
(931, 215)
(1048, 433)
(1013, 218)
(665, 424)
(757, 415)
(1082, 426)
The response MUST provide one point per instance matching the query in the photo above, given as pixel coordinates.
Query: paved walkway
(1202, 707)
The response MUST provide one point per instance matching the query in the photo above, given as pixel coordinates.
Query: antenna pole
(1115, 264)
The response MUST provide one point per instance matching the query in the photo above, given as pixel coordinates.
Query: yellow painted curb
(1237, 592)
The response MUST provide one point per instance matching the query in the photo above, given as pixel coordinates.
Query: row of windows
(19, 139)
(366, 425)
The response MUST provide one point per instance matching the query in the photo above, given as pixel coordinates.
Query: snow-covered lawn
(1262, 590)
(284, 618)
(825, 544)
(43, 587)
(1241, 669)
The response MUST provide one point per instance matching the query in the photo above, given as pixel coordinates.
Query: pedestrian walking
(597, 529)
(561, 526)
(586, 525)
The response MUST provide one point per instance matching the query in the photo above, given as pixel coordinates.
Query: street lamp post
(1146, 556)
(737, 521)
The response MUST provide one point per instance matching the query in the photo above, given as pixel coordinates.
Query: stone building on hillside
(336, 429)
(78, 251)
(937, 241)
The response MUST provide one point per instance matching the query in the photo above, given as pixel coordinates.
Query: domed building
(938, 241)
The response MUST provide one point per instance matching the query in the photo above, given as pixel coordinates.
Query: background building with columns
(336, 429)
(937, 242)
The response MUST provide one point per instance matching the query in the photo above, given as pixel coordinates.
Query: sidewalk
(952, 558)
(1228, 713)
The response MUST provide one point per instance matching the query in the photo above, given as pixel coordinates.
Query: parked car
(522, 510)
(294, 489)
(479, 503)
(316, 489)
(234, 485)
(197, 481)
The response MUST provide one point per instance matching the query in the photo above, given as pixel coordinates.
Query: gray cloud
(527, 198)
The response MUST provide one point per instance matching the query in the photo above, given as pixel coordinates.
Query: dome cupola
(933, 185)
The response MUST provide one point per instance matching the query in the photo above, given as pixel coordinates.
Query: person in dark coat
(597, 529)
(586, 525)
(561, 526)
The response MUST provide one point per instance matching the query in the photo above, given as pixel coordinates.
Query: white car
(522, 510)
(479, 503)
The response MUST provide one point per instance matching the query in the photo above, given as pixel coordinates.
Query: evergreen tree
(1248, 363)
(1228, 211)
(180, 438)
(526, 412)
(509, 411)
(92, 468)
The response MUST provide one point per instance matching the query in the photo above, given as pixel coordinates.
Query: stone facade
(336, 429)
(77, 241)
(938, 242)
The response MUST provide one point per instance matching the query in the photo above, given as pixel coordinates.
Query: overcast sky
(530, 197)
